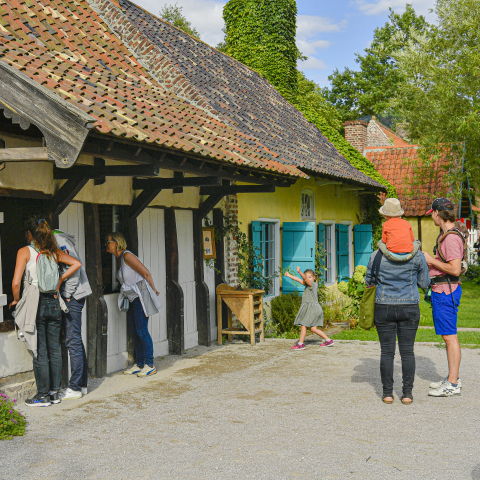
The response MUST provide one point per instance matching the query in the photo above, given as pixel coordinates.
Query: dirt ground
(260, 412)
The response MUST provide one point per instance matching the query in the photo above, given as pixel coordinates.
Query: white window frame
(333, 247)
(350, 246)
(276, 221)
(312, 209)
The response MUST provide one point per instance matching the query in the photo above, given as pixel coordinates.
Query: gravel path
(260, 412)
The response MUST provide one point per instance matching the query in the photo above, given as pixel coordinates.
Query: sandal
(409, 400)
(388, 401)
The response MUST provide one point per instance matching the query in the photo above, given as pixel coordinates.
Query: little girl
(310, 313)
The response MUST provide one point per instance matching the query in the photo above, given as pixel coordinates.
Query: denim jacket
(398, 281)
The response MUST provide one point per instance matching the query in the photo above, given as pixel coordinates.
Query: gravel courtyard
(260, 412)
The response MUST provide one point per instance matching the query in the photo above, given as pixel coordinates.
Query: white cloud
(310, 47)
(205, 15)
(378, 7)
(311, 24)
(312, 63)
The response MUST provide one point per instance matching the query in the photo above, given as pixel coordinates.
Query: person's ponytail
(43, 237)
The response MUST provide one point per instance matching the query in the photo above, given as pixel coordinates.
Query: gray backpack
(47, 273)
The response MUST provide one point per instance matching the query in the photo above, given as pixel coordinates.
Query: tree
(369, 90)
(173, 14)
(440, 97)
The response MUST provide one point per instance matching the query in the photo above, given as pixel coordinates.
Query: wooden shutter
(257, 242)
(343, 264)
(298, 250)
(363, 241)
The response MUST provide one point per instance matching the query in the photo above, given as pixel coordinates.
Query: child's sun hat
(391, 208)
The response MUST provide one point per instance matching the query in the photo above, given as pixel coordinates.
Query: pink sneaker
(327, 344)
(298, 346)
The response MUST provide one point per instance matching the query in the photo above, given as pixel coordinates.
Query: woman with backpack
(38, 264)
(138, 297)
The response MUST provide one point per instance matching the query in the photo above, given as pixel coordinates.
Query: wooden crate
(247, 305)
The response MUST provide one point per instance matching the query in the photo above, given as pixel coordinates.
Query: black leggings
(392, 321)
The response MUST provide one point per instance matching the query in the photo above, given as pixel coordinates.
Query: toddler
(397, 234)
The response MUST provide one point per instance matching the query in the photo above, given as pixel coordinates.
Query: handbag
(125, 305)
(366, 314)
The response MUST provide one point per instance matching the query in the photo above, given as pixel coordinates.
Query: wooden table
(247, 305)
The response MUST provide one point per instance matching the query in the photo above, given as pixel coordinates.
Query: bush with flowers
(354, 289)
(12, 422)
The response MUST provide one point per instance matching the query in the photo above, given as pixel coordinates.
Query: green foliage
(354, 289)
(441, 99)
(12, 422)
(284, 311)
(261, 34)
(473, 273)
(174, 14)
(369, 90)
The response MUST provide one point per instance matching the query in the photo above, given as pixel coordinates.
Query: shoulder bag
(367, 304)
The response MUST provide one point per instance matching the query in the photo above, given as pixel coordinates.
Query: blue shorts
(445, 313)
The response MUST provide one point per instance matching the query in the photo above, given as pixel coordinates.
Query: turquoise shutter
(363, 241)
(298, 251)
(257, 242)
(342, 252)
(321, 242)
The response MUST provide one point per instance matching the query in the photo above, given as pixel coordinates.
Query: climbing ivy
(261, 34)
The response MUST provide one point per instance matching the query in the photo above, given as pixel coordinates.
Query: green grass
(423, 335)
(468, 313)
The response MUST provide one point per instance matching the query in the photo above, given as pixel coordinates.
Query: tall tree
(173, 13)
(440, 98)
(369, 90)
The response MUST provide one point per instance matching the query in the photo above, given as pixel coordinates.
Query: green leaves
(174, 14)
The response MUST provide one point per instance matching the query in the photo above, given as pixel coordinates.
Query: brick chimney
(356, 134)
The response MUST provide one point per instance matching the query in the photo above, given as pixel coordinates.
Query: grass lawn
(423, 335)
(468, 313)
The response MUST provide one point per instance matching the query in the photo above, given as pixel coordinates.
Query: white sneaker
(132, 370)
(84, 391)
(439, 384)
(445, 390)
(147, 371)
(69, 394)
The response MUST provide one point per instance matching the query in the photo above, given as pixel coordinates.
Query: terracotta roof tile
(67, 47)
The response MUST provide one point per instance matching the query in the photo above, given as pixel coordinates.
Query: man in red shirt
(446, 293)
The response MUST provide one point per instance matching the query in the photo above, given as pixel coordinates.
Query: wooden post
(175, 305)
(97, 316)
(419, 223)
(220, 262)
(201, 288)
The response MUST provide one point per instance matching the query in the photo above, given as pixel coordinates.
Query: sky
(329, 32)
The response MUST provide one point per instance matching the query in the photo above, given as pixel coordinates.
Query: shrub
(12, 422)
(284, 310)
(473, 273)
(354, 289)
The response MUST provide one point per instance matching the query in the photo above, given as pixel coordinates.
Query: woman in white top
(47, 364)
(138, 290)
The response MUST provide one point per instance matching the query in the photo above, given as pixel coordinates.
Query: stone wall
(231, 252)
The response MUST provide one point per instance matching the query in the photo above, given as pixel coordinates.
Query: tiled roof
(65, 46)
(397, 165)
(229, 89)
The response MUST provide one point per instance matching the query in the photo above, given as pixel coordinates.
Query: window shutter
(257, 242)
(321, 242)
(298, 250)
(363, 241)
(342, 252)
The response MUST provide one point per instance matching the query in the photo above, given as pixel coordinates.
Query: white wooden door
(151, 251)
(209, 279)
(117, 354)
(186, 274)
(71, 221)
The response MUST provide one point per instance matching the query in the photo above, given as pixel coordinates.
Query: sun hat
(440, 204)
(391, 208)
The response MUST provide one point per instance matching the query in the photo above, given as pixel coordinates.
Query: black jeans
(394, 321)
(47, 365)
(74, 344)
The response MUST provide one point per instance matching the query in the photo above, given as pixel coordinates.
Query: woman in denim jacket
(397, 314)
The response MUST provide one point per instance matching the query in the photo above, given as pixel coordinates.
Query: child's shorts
(445, 312)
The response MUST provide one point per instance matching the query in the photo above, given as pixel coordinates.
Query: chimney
(356, 134)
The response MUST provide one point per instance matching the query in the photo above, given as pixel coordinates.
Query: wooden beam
(92, 172)
(209, 203)
(67, 192)
(143, 201)
(34, 154)
(234, 189)
(99, 164)
(178, 176)
(167, 183)
(201, 288)
(175, 300)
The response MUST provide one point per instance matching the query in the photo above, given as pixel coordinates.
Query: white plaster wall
(14, 355)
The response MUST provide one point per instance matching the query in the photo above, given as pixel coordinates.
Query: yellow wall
(38, 176)
(429, 232)
(284, 204)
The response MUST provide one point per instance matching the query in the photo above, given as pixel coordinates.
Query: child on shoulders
(397, 234)
(310, 313)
